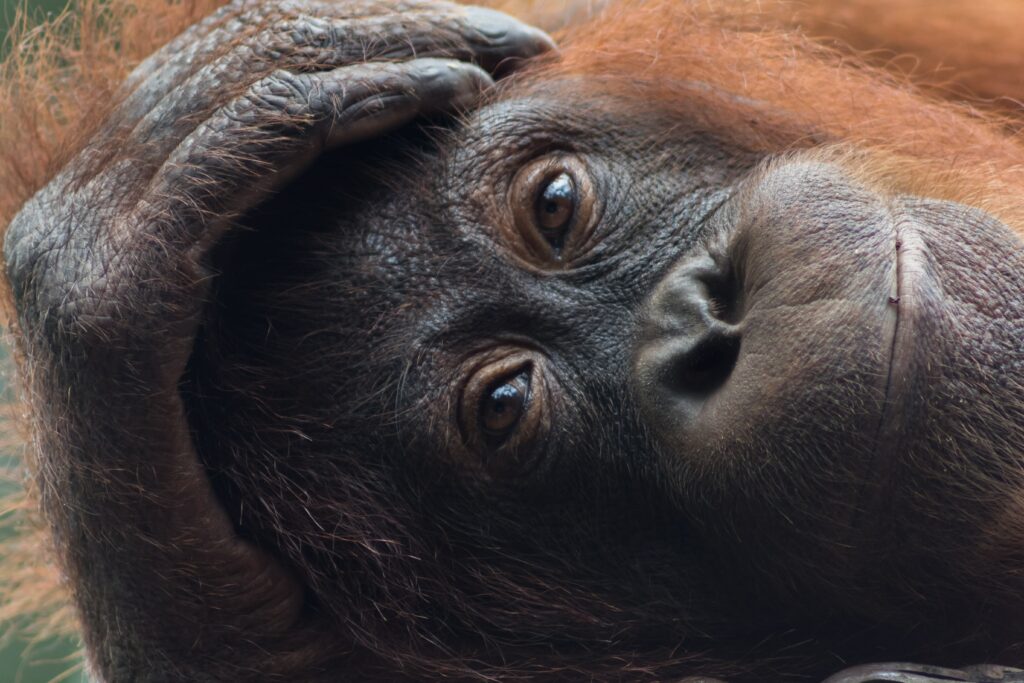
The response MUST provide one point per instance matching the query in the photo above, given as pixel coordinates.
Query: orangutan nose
(691, 338)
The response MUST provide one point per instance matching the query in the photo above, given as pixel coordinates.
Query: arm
(920, 673)
(108, 267)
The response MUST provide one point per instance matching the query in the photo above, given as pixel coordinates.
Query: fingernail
(499, 28)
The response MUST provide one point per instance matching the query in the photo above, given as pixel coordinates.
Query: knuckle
(70, 285)
(58, 290)
(286, 85)
(311, 31)
(282, 93)
(29, 246)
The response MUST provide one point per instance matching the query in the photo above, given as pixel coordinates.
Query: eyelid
(565, 186)
(526, 373)
(514, 454)
(490, 372)
(525, 237)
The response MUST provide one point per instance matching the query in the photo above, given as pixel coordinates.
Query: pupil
(559, 189)
(504, 397)
(504, 406)
(555, 208)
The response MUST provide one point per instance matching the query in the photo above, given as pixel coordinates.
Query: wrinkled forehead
(418, 205)
(426, 210)
(531, 115)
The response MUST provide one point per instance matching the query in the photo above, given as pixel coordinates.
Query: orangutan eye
(552, 201)
(555, 210)
(503, 410)
(502, 407)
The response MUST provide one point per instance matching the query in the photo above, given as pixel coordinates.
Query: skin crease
(772, 427)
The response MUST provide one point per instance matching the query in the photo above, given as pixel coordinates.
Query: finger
(922, 673)
(986, 673)
(500, 43)
(281, 124)
(310, 35)
(214, 35)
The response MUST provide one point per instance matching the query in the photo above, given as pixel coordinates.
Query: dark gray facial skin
(410, 414)
(867, 402)
(762, 379)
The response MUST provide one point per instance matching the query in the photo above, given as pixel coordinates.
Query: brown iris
(556, 207)
(552, 203)
(503, 410)
(503, 407)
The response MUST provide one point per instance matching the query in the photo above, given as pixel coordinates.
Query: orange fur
(955, 47)
(61, 78)
(787, 91)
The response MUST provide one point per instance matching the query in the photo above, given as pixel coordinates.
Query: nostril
(704, 368)
(724, 293)
(691, 334)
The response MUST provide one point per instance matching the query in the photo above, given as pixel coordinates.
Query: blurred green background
(49, 660)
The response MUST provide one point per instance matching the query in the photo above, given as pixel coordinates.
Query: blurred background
(24, 660)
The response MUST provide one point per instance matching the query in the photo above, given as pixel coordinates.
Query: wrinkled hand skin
(108, 268)
(914, 673)
(896, 672)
